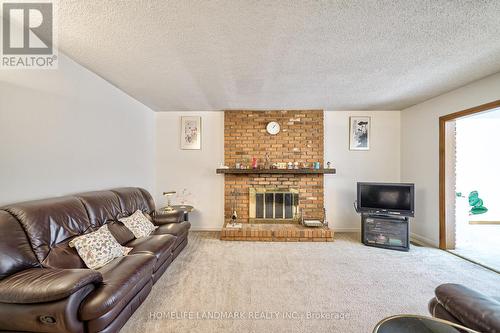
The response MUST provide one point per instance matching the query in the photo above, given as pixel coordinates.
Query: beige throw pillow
(98, 248)
(138, 224)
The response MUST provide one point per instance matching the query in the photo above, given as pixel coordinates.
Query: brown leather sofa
(466, 307)
(46, 287)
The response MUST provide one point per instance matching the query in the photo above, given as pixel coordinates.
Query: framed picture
(359, 133)
(190, 132)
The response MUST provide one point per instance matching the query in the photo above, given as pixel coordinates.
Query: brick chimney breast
(300, 140)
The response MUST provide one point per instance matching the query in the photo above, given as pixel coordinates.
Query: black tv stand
(385, 231)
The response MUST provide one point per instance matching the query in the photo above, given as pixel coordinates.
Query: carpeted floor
(342, 286)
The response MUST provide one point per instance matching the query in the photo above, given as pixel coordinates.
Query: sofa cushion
(63, 256)
(160, 246)
(50, 222)
(176, 229)
(98, 248)
(101, 206)
(123, 278)
(122, 234)
(149, 200)
(133, 199)
(15, 249)
(138, 224)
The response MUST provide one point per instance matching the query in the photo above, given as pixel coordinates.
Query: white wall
(420, 148)
(67, 130)
(380, 164)
(194, 170)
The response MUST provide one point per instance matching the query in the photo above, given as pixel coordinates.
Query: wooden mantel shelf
(276, 171)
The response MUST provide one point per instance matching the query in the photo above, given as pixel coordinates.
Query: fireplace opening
(273, 205)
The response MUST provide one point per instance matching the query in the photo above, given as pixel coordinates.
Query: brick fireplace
(280, 196)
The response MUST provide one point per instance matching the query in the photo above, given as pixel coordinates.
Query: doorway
(470, 184)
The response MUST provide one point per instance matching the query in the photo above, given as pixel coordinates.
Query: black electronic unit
(385, 210)
(389, 232)
(386, 198)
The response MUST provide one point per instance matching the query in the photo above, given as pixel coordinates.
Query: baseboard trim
(346, 229)
(193, 228)
(421, 240)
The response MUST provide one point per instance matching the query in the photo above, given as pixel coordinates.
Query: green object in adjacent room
(476, 203)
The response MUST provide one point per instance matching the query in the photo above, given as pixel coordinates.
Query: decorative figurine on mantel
(267, 161)
(254, 163)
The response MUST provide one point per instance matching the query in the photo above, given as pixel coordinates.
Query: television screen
(392, 198)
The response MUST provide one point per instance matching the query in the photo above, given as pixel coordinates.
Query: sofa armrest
(160, 218)
(438, 311)
(474, 310)
(38, 285)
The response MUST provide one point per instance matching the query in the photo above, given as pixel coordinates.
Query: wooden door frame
(442, 161)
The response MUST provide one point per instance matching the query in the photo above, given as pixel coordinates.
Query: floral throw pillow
(98, 248)
(138, 224)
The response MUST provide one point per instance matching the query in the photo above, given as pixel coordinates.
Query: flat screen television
(386, 198)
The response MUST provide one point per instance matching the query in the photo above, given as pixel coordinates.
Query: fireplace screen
(273, 205)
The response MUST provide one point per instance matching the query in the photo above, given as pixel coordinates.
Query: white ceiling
(349, 55)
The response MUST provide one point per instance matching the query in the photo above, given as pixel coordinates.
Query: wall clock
(273, 128)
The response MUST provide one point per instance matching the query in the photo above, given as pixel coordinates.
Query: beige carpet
(276, 287)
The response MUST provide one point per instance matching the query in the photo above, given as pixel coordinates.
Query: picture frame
(190, 133)
(359, 133)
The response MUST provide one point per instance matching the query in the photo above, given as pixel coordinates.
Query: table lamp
(169, 195)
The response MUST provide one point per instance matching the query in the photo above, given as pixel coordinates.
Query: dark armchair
(464, 306)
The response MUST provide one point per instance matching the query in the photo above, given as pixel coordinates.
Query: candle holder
(184, 197)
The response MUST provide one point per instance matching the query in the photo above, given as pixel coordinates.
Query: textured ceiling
(212, 55)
